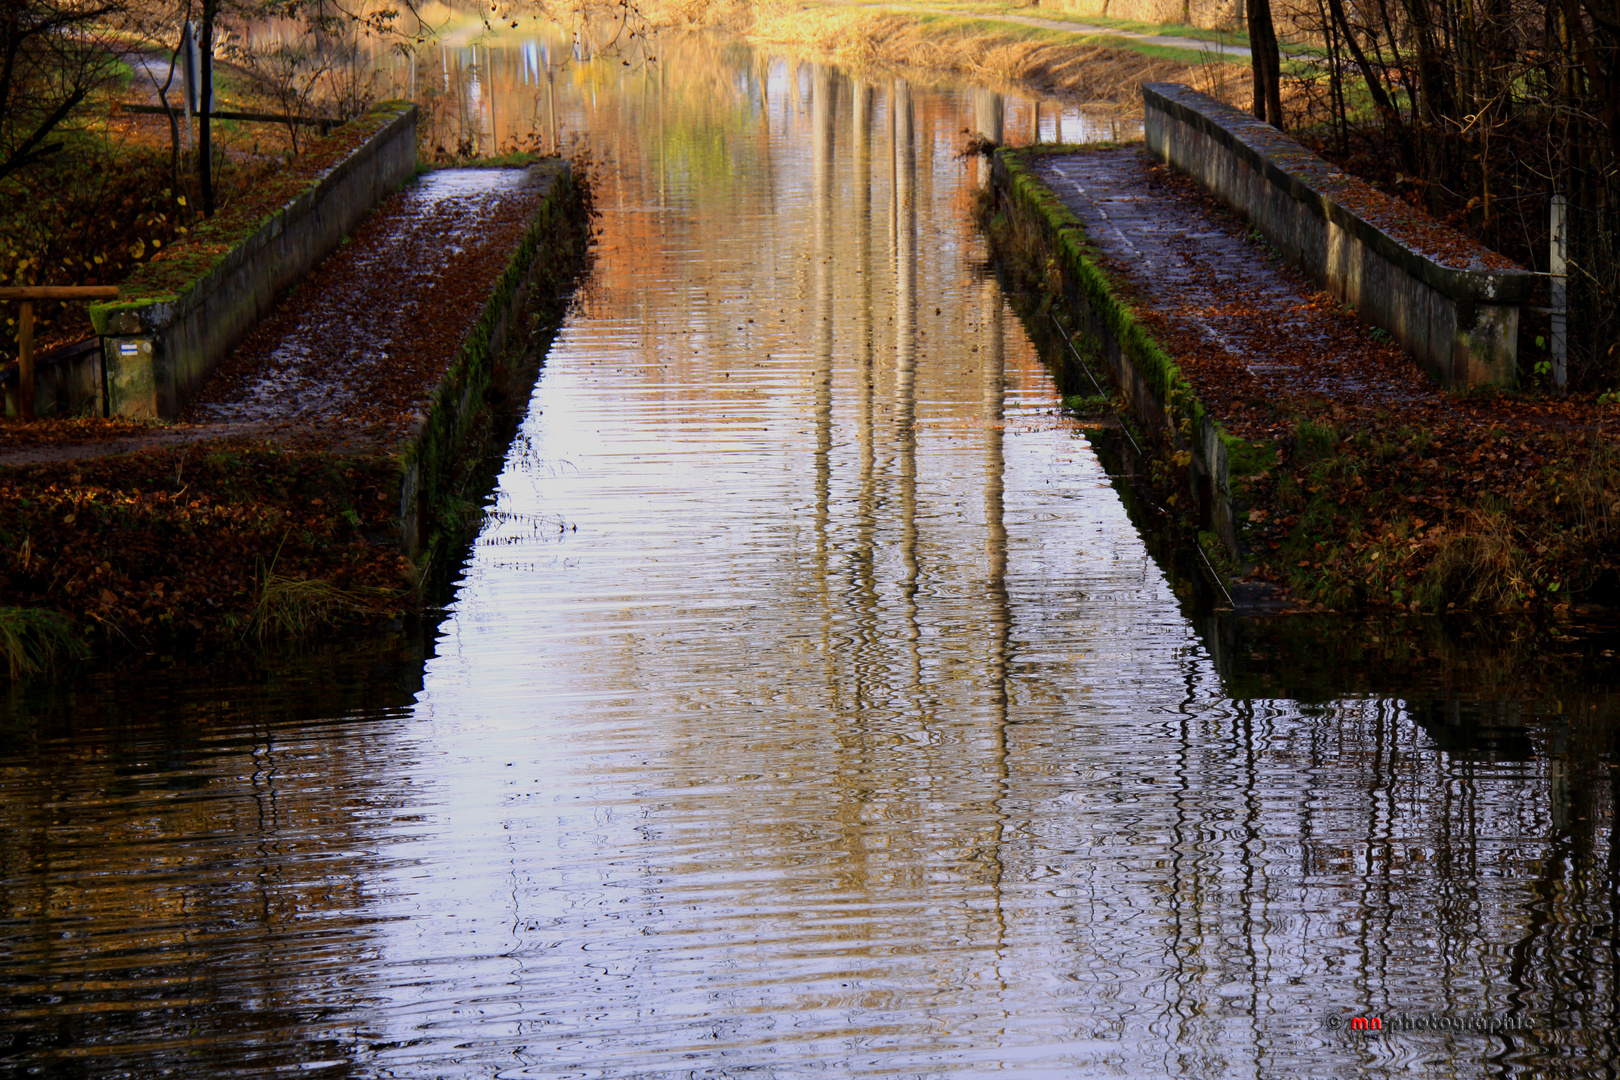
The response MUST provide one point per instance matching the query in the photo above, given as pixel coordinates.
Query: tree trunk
(205, 103)
(1265, 63)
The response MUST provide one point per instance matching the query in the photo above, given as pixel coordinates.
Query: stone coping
(1405, 237)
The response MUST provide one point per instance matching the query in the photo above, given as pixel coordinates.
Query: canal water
(811, 704)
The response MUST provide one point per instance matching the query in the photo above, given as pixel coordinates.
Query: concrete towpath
(1251, 333)
(361, 344)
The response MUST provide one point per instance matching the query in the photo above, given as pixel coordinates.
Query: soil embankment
(335, 459)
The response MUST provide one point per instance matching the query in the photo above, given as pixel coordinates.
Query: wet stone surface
(1248, 329)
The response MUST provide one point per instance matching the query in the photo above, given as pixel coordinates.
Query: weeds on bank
(32, 641)
(1402, 518)
(297, 607)
(141, 549)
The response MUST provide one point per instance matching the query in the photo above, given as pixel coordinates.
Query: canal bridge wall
(1452, 304)
(474, 409)
(157, 351)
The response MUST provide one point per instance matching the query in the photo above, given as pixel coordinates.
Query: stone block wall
(1452, 304)
(157, 355)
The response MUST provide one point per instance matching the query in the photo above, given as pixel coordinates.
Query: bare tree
(51, 58)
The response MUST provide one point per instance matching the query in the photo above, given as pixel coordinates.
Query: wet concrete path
(350, 357)
(1250, 331)
(358, 348)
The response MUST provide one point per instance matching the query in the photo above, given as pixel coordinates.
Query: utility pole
(205, 96)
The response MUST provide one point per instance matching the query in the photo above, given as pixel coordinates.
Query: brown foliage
(202, 542)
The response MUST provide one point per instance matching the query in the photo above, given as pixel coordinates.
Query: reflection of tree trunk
(993, 367)
(989, 110)
(486, 84)
(903, 165)
(663, 145)
(551, 99)
(822, 118)
(1256, 889)
(993, 361)
(861, 177)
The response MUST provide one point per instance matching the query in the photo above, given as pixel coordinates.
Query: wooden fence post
(27, 294)
(25, 362)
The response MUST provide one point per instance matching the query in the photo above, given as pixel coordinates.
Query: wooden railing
(325, 123)
(27, 294)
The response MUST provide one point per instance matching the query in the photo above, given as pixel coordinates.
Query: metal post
(25, 362)
(1557, 267)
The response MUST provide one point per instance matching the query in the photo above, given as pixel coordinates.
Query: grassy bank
(223, 542)
(930, 45)
(1480, 502)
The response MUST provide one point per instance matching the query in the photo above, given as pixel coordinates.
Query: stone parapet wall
(158, 353)
(1452, 304)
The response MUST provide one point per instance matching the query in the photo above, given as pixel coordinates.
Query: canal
(812, 703)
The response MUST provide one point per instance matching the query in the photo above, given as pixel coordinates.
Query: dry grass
(1480, 565)
(32, 641)
(297, 607)
(1007, 55)
(699, 14)
(1551, 539)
